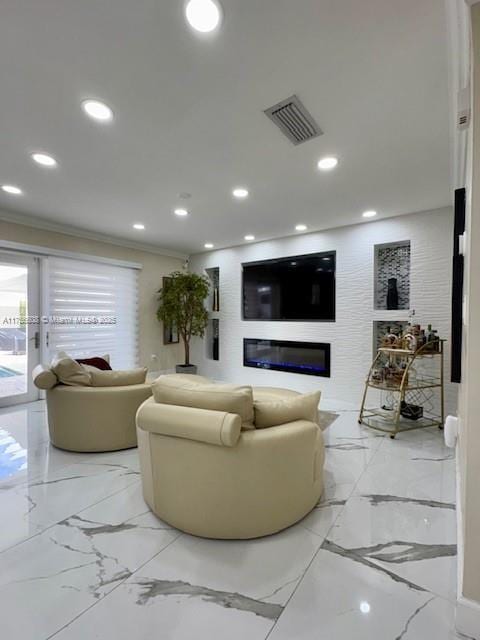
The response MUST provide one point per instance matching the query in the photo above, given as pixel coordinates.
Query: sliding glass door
(52, 304)
(19, 327)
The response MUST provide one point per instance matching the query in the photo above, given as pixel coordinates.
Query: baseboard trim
(467, 617)
(467, 614)
(459, 512)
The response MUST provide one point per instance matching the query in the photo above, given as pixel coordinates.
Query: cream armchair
(202, 474)
(90, 419)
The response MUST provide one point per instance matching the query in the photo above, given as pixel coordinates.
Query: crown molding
(291, 236)
(46, 225)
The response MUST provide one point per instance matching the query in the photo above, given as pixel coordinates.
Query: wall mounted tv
(298, 288)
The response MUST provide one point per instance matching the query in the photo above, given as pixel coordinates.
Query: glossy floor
(82, 557)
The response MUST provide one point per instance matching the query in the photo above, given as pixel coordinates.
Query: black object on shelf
(215, 339)
(216, 300)
(215, 349)
(392, 294)
(411, 411)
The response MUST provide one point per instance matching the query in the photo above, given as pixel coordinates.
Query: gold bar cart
(414, 382)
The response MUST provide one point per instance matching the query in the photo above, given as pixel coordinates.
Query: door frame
(34, 330)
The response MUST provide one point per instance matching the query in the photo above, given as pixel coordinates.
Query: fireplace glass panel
(310, 358)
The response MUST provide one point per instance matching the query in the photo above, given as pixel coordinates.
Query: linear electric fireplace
(311, 358)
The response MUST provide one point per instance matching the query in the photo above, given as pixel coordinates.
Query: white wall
(468, 509)
(431, 237)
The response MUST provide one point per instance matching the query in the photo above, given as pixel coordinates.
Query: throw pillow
(217, 397)
(44, 378)
(116, 378)
(270, 413)
(70, 372)
(97, 362)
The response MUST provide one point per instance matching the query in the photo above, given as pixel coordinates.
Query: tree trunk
(187, 350)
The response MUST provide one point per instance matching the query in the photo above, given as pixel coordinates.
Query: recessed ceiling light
(329, 162)
(208, 245)
(249, 237)
(203, 15)
(369, 214)
(301, 227)
(181, 212)
(97, 110)
(139, 226)
(364, 607)
(240, 192)
(44, 159)
(10, 188)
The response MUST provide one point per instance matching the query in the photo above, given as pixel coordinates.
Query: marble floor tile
(394, 474)
(209, 586)
(29, 508)
(426, 446)
(143, 611)
(322, 518)
(19, 465)
(25, 423)
(48, 580)
(416, 540)
(27, 455)
(345, 466)
(343, 599)
(264, 569)
(346, 426)
(82, 556)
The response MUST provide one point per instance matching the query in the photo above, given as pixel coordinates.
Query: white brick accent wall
(431, 237)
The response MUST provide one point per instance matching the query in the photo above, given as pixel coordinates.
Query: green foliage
(182, 305)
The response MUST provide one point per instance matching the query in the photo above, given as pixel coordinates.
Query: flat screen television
(298, 288)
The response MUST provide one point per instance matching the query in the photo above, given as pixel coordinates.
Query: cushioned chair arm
(43, 377)
(202, 425)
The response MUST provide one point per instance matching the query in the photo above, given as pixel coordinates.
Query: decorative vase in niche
(392, 294)
(216, 302)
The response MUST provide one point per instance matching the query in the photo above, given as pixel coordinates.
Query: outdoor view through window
(13, 310)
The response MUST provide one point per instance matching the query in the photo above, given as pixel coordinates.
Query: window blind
(92, 310)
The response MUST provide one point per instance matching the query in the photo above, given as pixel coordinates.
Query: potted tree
(182, 306)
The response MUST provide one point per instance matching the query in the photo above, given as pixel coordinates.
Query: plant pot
(186, 368)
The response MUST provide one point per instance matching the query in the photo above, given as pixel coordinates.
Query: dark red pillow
(99, 363)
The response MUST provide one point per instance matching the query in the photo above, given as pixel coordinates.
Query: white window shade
(92, 310)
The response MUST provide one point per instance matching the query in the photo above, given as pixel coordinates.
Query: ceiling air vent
(294, 120)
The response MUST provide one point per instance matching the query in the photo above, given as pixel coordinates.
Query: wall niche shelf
(213, 339)
(212, 334)
(387, 325)
(392, 276)
(213, 302)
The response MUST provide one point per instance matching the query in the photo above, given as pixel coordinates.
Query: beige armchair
(90, 419)
(205, 475)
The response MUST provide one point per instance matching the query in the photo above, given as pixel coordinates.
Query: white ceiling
(189, 115)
